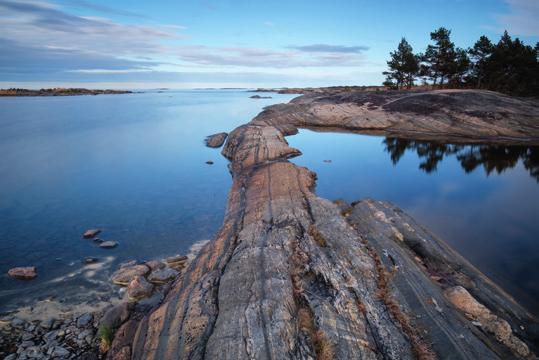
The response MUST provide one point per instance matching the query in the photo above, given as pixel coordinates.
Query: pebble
(60, 352)
(84, 320)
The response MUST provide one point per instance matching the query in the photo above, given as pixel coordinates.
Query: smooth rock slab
(125, 275)
(23, 273)
(91, 233)
(139, 288)
(162, 276)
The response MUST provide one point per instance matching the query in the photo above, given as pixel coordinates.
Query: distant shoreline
(60, 92)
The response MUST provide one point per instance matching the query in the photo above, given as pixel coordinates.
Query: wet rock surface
(291, 275)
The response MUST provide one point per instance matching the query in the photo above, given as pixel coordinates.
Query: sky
(203, 43)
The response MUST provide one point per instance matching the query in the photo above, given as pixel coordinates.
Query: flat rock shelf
(293, 276)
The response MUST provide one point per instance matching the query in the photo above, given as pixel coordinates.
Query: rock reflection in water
(492, 157)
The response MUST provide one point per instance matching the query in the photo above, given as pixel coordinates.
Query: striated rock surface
(291, 275)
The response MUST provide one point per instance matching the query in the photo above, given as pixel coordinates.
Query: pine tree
(439, 59)
(480, 54)
(403, 67)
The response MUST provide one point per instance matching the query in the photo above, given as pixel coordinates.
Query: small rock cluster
(104, 244)
(142, 279)
(69, 338)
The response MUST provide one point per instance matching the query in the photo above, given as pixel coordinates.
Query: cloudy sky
(207, 43)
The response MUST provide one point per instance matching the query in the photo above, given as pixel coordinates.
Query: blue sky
(205, 43)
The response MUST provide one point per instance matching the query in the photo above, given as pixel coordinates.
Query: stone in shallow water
(139, 288)
(216, 140)
(162, 276)
(126, 274)
(90, 260)
(108, 244)
(91, 233)
(23, 273)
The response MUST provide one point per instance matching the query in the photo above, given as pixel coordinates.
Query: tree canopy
(510, 66)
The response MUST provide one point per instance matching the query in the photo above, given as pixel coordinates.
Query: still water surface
(482, 200)
(132, 165)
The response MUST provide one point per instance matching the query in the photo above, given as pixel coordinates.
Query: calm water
(482, 200)
(133, 165)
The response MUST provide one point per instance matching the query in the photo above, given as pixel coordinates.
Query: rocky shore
(291, 275)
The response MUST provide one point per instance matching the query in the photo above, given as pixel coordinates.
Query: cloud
(326, 48)
(103, 9)
(40, 38)
(522, 18)
(256, 57)
(19, 59)
(269, 23)
(39, 24)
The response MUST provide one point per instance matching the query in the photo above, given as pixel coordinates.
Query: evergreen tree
(438, 62)
(403, 67)
(512, 68)
(480, 54)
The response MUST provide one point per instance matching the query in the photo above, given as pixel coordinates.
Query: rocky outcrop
(216, 140)
(291, 275)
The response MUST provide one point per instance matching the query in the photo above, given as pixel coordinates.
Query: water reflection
(492, 157)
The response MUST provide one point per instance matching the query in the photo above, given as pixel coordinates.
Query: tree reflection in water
(491, 157)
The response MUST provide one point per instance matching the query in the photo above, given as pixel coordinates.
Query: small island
(60, 92)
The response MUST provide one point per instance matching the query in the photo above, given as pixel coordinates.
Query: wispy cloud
(327, 48)
(40, 37)
(84, 4)
(522, 18)
(255, 57)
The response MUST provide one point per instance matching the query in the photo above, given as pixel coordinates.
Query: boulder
(139, 288)
(108, 244)
(23, 273)
(216, 140)
(162, 276)
(116, 315)
(125, 275)
(154, 264)
(91, 233)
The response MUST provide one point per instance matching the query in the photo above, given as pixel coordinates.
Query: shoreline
(59, 92)
(291, 272)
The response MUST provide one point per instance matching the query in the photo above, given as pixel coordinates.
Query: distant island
(59, 92)
(309, 90)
